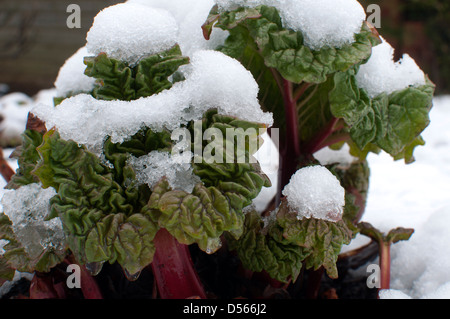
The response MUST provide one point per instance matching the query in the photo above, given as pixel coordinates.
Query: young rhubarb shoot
(385, 242)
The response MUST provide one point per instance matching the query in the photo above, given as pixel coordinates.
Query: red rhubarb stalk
(291, 149)
(173, 269)
(385, 265)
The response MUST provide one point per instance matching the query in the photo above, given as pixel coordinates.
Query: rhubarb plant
(150, 149)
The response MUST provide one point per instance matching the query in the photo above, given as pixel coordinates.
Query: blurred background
(35, 40)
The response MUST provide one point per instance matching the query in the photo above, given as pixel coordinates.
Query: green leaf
(408, 116)
(86, 189)
(264, 249)
(115, 79)
(200, 217)
(215, 205)
(321, 240)
(153, 72)
(284, 50)
(394, 235)
(129, 241)
(366, 118)
(27, 158)
(392, 122)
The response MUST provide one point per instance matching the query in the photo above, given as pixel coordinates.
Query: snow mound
(190, 34)
(14, 108)
(213, 80)
(315, 192)
(323, 23)
(382, 75)
(131, 31)
(420, 266)
(71, 78)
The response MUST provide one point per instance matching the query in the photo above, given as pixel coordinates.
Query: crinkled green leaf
(127, 240)
(86, 188)
(284, 50)
(115, 79)
(392, 122)
(153, 72)
(200, 217)
(261, 249)
(321, 240)
(27, 158)
(215, 205)
(408, 116)
(366, 118)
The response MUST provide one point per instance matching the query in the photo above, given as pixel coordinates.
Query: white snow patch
(268, 158)
(151, 168)
(131, 31)
(323, 23)
(314, 191)
(27, 207)
(71, 79)
(328, 156)
(14, 108)
(190, 34)
(382, 75)
(392, 294)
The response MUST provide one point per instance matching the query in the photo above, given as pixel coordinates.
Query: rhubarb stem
(290, 152)
(89, 286)
(385, 265)
(173, 269)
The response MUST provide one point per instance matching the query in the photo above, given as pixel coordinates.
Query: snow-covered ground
(415, 196)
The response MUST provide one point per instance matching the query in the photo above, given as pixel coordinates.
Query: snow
(131, 31)
(151, 168)
(27, 207)
(268, 158)
(328, 156)
(190, 34)
(416, 196)
(71, 79)
(343, 21)
(381, 74)
(14, 108)
(213, 80)
(392, 294)
(315, 192)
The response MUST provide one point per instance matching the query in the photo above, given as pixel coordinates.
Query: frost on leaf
(35, 242)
